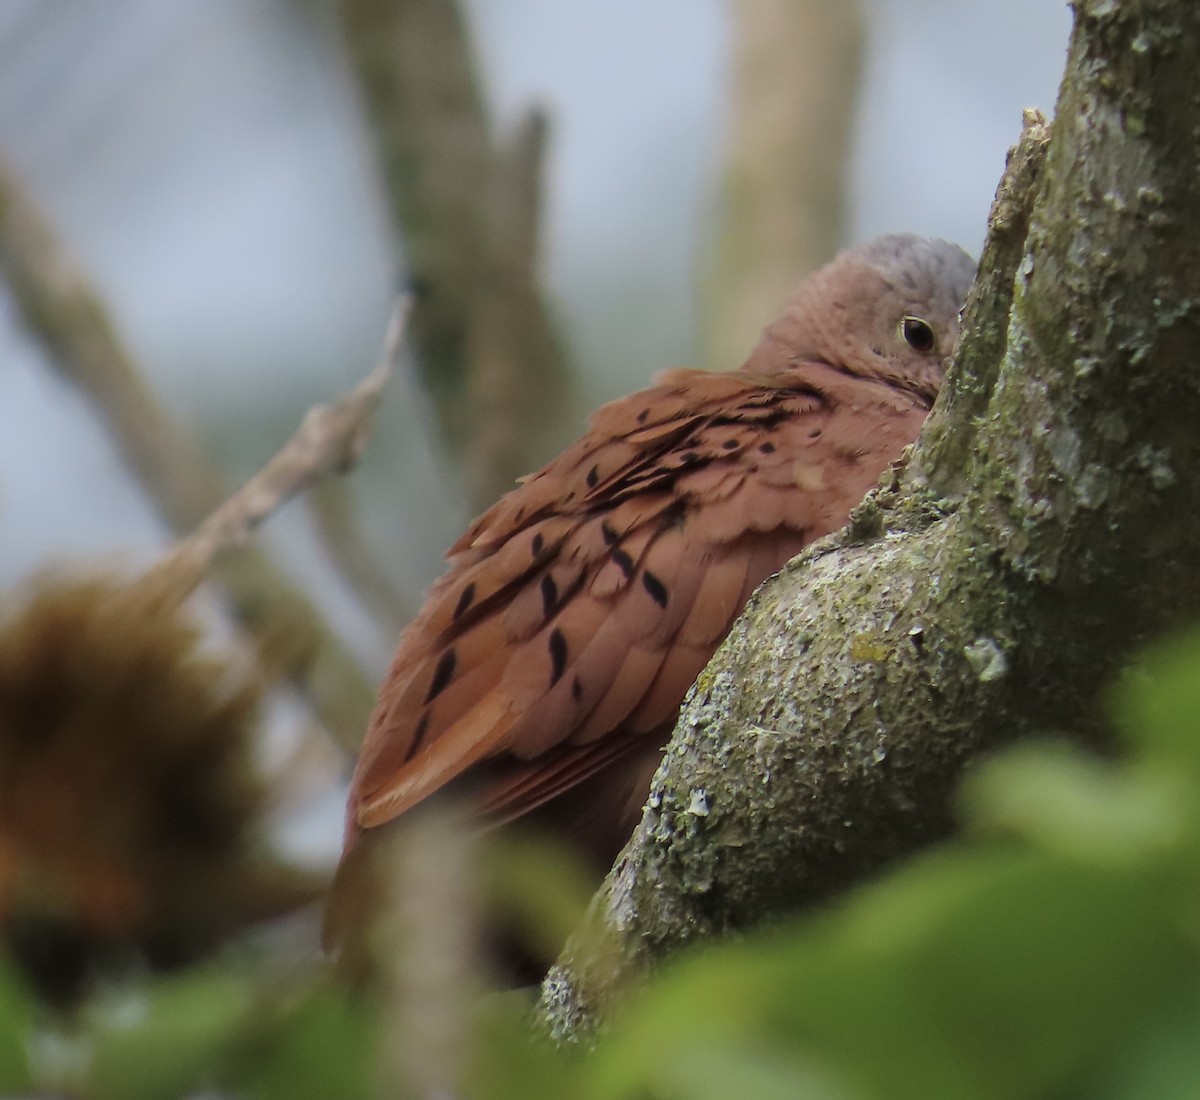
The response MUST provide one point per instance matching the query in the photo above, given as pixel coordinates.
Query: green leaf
(536, 889)
(1157, 703)
(513, 1063)
(169, 1037)
(16, 1028)
(323, 1046)
(987, 973)
(1166, 1065)
(1083, 807)
(707, 1072)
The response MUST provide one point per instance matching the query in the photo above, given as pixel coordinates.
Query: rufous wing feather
(547, 666)
(577, 611)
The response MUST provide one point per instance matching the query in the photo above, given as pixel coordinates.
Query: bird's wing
(578, 610)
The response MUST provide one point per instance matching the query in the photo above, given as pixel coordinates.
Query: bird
(544, 672)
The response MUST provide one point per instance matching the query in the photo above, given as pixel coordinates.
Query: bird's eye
(918, 334)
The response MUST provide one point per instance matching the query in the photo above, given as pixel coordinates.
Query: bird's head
(886, 309)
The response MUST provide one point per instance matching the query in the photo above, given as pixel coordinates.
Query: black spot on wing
(418, 737)
(442, 674)
(674, 516)
(655, 587)
(465, 600)
(623, 562)
(558, 655)
(549, 593)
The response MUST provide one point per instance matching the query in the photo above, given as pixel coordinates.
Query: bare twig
(62, 309)
(329, 439)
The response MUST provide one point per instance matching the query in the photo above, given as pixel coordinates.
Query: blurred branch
(59, 305)
(797, 68)
(465, 215)
(329, 439)
(335, 519)
(425, 106)
(518, 388)
(426, 941)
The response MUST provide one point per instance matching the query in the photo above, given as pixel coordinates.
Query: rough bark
(1044, 528)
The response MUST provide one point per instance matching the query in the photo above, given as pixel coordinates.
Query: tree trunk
(466, 207)
(796, 78)
(1045, 526)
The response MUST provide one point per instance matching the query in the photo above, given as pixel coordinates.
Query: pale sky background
(205, 160)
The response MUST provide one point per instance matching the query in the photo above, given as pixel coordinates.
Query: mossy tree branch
(1043, 529)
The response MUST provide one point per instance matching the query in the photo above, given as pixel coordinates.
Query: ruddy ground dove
(545, 671)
